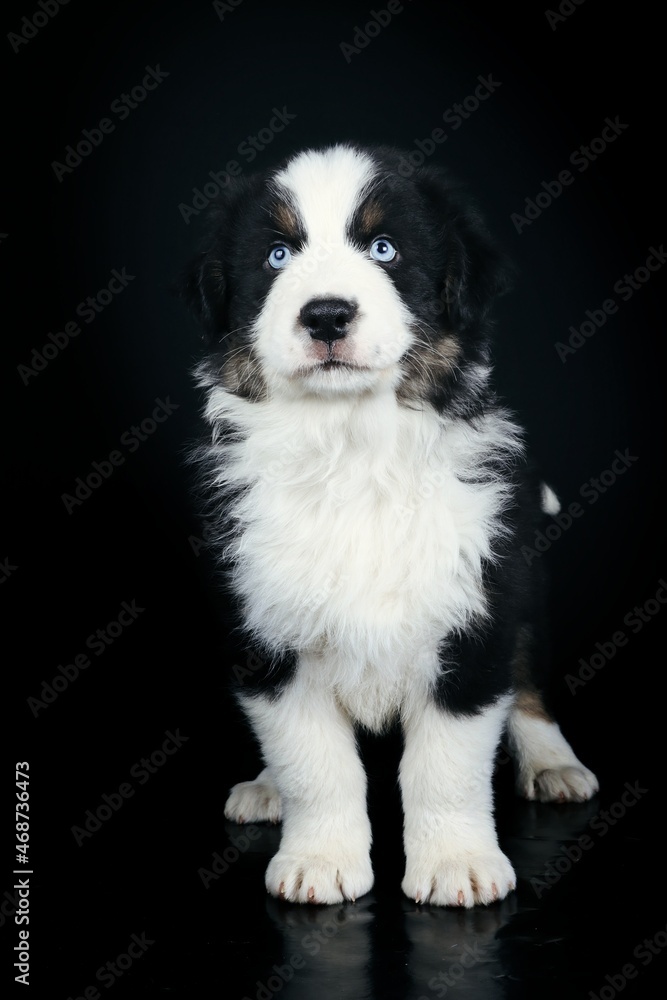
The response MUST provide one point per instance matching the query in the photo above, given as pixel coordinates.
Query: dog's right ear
(204, 286)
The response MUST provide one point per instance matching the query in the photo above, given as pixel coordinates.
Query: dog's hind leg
(255, 801)
(547, 768)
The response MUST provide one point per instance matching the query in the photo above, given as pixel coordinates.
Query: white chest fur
(359, 541)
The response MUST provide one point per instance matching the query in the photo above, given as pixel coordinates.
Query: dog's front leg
(452, 852)
(309, 746)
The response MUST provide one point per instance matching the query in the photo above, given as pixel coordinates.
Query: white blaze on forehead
(326, 187)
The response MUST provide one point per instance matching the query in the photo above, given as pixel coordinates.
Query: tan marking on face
(242, 375)
(287, 219)
(371, 216)
(425, 364)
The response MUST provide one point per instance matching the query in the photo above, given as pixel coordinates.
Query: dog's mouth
(328, 365)
(331, 363)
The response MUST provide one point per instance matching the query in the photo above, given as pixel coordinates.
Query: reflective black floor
(163, 897)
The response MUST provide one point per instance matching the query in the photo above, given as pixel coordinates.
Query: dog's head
(334, 274)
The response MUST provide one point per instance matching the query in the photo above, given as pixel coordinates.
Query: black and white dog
(372, 500)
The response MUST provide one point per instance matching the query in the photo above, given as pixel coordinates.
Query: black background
(136, 538)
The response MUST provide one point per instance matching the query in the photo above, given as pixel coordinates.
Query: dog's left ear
(475, 271)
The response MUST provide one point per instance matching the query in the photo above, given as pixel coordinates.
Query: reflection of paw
(573, 783)
(464, 878)
(253, 802)
(317, 878)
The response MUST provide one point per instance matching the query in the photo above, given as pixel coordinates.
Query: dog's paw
(560, 784)
(466, 878)
(254, 802)
(318, 878)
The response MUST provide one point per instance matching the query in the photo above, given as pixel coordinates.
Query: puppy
(371, 499)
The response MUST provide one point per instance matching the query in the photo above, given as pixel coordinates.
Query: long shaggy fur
(371, 497)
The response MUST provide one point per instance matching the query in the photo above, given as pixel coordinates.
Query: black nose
(328, 319)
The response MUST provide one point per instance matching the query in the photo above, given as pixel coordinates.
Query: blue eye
(279, 256)
(383, 250)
